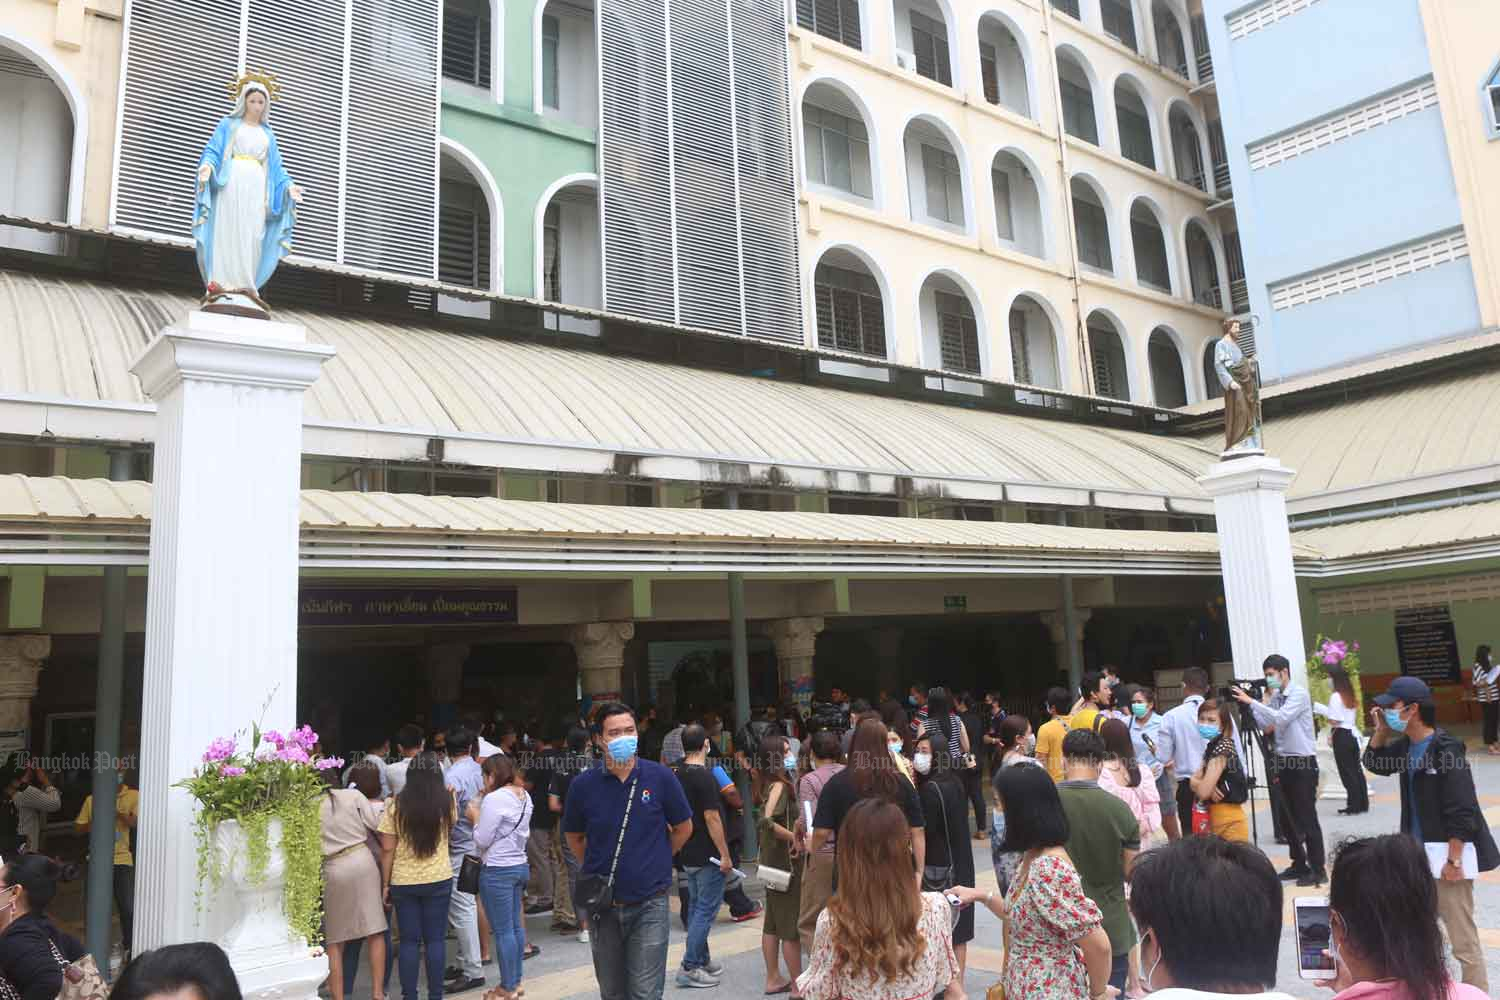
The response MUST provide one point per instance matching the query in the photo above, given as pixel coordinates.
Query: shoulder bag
(940, 878)
(596, 893)
(80, 979)
(468, 869)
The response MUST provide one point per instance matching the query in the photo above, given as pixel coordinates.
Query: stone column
(886, 643)
(21, 659)
(600, 648)
(221, 609)
(796, 642)
(1068, 648)
(1255, 555)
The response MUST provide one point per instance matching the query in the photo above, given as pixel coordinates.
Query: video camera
(1255, 687)
(828, 715)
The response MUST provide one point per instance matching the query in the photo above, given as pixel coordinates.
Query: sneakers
(696, 979)
(583, 936)
(715, 969)
(1294, 872)
(1313, 878)
(462, 984)
(451, 973)
(750, 915)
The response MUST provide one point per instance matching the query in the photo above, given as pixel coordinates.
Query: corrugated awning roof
(75, 340)
(1428, 529)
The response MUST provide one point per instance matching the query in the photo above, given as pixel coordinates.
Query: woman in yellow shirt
(127, 807)
(416, 875)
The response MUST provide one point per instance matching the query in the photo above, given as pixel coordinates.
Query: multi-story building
(1357, 136)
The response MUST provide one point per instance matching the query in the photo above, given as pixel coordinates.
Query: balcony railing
(1239, 296)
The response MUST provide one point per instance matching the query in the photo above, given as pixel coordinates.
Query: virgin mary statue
(246, 205)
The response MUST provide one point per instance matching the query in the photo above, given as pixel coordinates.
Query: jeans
(705, 896)
(352, 951)
(630, 950)
(501, 890)
(124, 886)
(423, 913)
(463, 915)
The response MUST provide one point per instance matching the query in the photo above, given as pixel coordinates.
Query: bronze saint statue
(1239, 374)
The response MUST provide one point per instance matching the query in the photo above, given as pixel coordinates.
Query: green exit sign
(955, 602)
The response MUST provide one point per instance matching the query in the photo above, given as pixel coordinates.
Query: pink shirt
(1390, 990)
(1144, 800)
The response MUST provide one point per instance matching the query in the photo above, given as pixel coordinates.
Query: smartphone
(1314, 938)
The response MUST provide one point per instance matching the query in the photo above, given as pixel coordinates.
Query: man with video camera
(28, 793)
(1289, 714)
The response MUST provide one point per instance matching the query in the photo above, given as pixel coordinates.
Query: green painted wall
(525, 152)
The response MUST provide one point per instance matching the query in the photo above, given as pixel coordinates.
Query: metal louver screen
(463, 236)
(370, 174)
(699, 202)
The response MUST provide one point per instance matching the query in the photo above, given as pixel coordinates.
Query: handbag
(81, 979)
(468, 870)
(940, 878)
(596, 893)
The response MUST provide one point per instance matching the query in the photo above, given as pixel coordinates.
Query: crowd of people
(1119, 836)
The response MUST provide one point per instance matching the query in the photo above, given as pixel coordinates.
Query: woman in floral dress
(1049, 921)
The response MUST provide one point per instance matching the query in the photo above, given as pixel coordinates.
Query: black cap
(1405, 689)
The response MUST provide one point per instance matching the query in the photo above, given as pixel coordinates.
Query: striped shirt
(1485, 688)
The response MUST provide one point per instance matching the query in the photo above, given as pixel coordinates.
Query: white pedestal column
(796, 644)
(600, 648)
(1255, 553)
(221, 614)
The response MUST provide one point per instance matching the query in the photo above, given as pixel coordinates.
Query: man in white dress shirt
(1180, 746)
(1290, 714)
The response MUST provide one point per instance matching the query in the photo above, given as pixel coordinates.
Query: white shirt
(395, 774)
(1180, 742)
(1339, 715)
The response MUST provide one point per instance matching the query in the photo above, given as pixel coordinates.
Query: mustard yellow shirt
(127, 804)
(407, 868)
(1049, 741)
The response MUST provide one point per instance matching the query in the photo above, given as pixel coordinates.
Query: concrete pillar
(796, 642)
(600, 648)
(1067, 641)
(444, 664)
(1255, 554)
(221, 608)
(21, 660)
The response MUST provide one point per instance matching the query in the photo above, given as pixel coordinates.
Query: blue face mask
(789, 762)
(621, 748)
(911, 699)
(1139, 709)
(1207, 732)
(1273, 681)
(1394, 720)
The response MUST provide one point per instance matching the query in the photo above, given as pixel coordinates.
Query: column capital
(600, 644)
(211, 348)
(1057, 623)
(21, 659)
(1241, 475)
(794, 637)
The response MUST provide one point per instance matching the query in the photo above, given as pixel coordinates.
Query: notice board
(1426, 644)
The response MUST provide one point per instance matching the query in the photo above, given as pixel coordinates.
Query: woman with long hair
(1015, 748)
(352, 907)
(1487, 693)
(880, 938)
(950, 856)
(872, 773)
(1220, 781)
(1124, 778)
(1056, 947)
(502, 828)
(775, 765)
(945, 726)
(1342, 711)
(416, 875)
(1384, 924)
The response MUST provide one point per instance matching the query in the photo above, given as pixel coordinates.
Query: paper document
(1437, 857)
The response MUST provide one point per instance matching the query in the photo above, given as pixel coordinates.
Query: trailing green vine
(278, 778)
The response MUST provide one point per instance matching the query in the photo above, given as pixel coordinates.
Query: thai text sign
(406, 606)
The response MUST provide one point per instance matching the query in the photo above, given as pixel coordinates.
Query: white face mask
(922, 762)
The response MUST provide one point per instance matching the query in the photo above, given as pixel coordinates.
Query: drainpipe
(108, 694)
(1409, 507)
(1086, 368)
(739, 654)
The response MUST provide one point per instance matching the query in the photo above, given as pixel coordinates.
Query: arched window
(850, 309)
(1167, 381)
(1135, 123)
(567, 85)
(1203, 266)
(1033, 344)
(935, 177)
(468, 42)
(1187, 154)
(835, 142)
(1118, 18)
(1091, 223)
(465, 228)
(569, 250)
(1002, 66)
(950, 328)
(1210, 375)
(36, 151)
(1107, 348)
(1171, 49)
(1492, 103)
(1018, 205)
(835, 19)
(922, 35)
(1150, 245)
(1077, 93)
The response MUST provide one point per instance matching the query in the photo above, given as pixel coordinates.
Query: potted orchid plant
(1328, 652)
(258, 820)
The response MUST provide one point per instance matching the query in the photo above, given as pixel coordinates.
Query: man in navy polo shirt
(630, 945)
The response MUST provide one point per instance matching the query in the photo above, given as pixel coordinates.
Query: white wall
(36, 155)
(578, 230)
(1010, 66)
(1041, 345)
(577, 77)
(1025, 208)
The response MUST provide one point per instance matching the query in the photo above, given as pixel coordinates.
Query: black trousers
(1346, 756)
(1491, 711)
(974, 786)
(1185, 806)
(124, 892)
(1299, 791)
(1274, 794)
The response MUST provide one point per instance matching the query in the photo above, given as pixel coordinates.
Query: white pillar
(1255, 553)
(600, 648)
(796, 643)
(221, 610)
(21, 660)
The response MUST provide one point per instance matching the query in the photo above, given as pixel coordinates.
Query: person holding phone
(1374, 957)
(1438, 809)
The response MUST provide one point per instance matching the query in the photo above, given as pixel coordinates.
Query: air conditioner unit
(906, 60)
